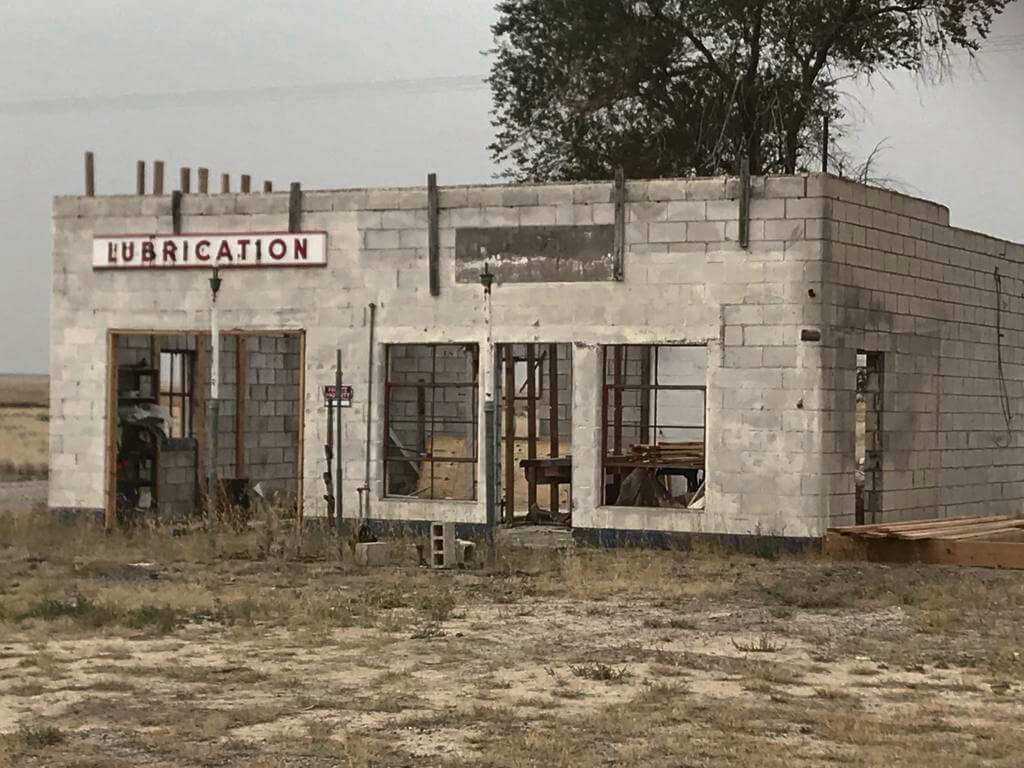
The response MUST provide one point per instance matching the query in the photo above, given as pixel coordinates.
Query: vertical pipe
(510, 432)
(553, 415)
(246, 184)
(186, 180)
(369, 412)
(158, 177)
(531, 422)
(213, 418)
(140, 177)
(225, 183)
(338, 504)
(90, 175)
(329, 455)
(204, 181)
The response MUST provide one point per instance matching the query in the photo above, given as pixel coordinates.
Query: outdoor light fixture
(215, 283)
(486, 278)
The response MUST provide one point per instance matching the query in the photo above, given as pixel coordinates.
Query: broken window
(430, 421)
(653, 425)
(176, 391)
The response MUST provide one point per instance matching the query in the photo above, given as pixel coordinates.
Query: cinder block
(443, 551)
(372, 553)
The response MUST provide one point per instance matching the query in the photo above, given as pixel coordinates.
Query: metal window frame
(609, 390)
(427, 456)
(185, 376)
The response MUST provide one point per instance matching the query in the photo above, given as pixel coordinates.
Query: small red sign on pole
(338, 398)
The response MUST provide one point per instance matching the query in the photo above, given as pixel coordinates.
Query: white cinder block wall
(779, 413)
(945, 307)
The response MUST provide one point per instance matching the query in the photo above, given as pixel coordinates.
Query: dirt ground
(258, 650)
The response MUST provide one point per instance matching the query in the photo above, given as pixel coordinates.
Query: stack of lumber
(950, 528)
(992, 542)
(660, 454)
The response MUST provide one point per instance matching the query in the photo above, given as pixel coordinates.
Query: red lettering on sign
(225, 251)
(259, 250)
(301, 245)
(127, 251)
(170, 251)
(148, 251)
(277, 249)
(201, 253)
(111, 253)
(243, 242)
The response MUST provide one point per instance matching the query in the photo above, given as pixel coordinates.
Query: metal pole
(490, 424)
(213, 407)
(338, 504)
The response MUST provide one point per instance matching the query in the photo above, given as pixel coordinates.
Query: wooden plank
(225, 183)
(967, 528)
(246, 184)
(910, 524)
(553, 417)
(1015, 533)
(510, 433)
(90, 175)
(241, 399)
(204, 180)
(140, 177)
(645, 398)
(531, 419)
(433, 235)
(185, 181)
(110, 507)
(201, 389)
(617, 400)
(295, 207)
(158, 177)
(300, 459)
(968, 553)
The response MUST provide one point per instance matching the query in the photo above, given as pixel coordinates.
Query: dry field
(154, 650)
(24, 416)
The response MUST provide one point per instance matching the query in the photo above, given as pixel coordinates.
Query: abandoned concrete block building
(742, 356)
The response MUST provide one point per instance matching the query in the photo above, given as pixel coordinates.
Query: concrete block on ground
(443, 552)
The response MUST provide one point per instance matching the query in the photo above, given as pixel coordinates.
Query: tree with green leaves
(680, 87)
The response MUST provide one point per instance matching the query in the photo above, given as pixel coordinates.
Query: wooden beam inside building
(617, 401)
(201, 387)
(553, 416)
(510, 433)
(242, 397)
(531, 418)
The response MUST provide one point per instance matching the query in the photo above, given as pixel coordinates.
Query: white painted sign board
(225, 250)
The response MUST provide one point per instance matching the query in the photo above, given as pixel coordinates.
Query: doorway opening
(868, 465)
(535, 451)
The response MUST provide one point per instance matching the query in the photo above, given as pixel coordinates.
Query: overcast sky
(131, 79)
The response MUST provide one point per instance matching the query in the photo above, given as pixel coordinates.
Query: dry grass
(24, 426)
(219, 653)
